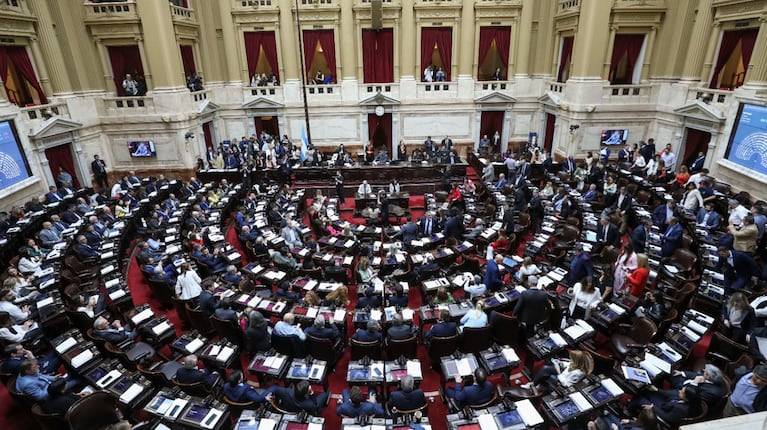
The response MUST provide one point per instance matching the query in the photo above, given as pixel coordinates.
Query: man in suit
(399, 330)
(399, 298)
(707, 218)
(232, 275)
(607, 236)
(443, 328)
(190, 374)
(639, 235)
(53, 195)
(49, 236)
(427, 226)
(623, 200)
(92, 236)
(301, 398)
(663, 213)
(672, 238)
(213, 262)
(493, 279)
(673, 411)
(113, 333)
(70, 216)
(531, 306)
(84, 250)
(501, 182)
(291, 234)
(697, 164)
(407, 398)
(738, 267)
(580, 265)
(428, 146)
(708, 384)
(536, 211)
(623, 155)
(454, 225)
(371, 333)
(354, 404)
(99, 169)
(208, 299)
(35, 384)
(520, 198)
(322, 330)
(508, 219)
(477, 393)
(369, 299)
(569, 166)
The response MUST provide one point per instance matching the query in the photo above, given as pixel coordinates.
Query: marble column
(232, 71)
(407, 43)
(756, 71)
(163, 53)
(524, 39)
(696, 50)
(288, 42)
(40, 67)
(593, 42)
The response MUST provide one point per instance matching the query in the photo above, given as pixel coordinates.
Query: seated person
(399, 330)
(284, 260)
(225, 311)
(475, 318)
(354, 405)
(213, 262)
(708, 385)
(237, 390)
(443, 328)
(16, 354)
(321, 329)
(475, 288)
(113, 333)
(407, 398)
(564, 372)
(672, 412)
(257, 337)
(443, 297)
(286, 327)
(159, 272)
(35, 384)
(300, 398)
(475, 390)
(653, 306)
(369, 299)
(190, 374)
(59, 401)
(208, 298)
(398, 299)
(232, 275)
(748, 393)
(371, 334)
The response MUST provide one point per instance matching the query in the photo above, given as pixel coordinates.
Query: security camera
(574, 127)
(189, 135)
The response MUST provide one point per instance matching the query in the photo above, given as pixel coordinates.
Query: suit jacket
(364, 335)
(365, 408)
(454, 227)
(639, 238)
(408, 233)
(672, 240)
(713, 219)
(368, 302)
(94, 239)
(400, 332)
(113, 336)
(580, 266)
(327, 332)
(673, 412)
(613, 235)
(743, 264)
(70, 217)
(625, 204)
(531, 306)
(569, 166)
(433, 229)
(243, 393)
(493, 280)
(401, 301)
(289, 402)
(86, 251)
(697, 165)
(407, 401)
(442, 329)
(500, 184)
(193, 376)
(49, 237)
(35, 386)
(524, 171)
(226, 314)
(520, 198)
(659, 216)
(53, 198)
(474, 394)
(257, 339)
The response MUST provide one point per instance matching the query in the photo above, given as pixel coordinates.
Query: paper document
(65, 345)
(161, 328)
(464, 367)
(580, 400)
(108, 379)
(142, 316)
(510, 355)
(225, 353)
(487, 422)
(131, 393)
(82, 358)
(414, 368)
(558, 339)
(194, 345)
(211, 419)
(612, 387)
(529, 415)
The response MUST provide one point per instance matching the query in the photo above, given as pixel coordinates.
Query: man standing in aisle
(100, 172)
(339, 181)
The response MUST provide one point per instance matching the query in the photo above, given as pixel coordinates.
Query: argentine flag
(304, 143)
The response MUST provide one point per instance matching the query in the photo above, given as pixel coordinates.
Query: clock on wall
(380, 111)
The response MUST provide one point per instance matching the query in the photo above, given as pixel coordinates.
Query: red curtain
(548, 140)
(730, 40)
(626, 44)
(565, 57)
(747, 43)
(325, 38)
(490, 123)
(17, 55)
(187, 57)
(208, 135)
(61, 156)
(502, 38)
(443, 38)
(378, 55)
(695, 142)
(125, 59)
(384, 122)
(254, 41)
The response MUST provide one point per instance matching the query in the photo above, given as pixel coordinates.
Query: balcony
(34, 115)
(436, 90)
(709, 95)
(268, 91)
(111, 12)
(324, 92)
(556, 87)
(627, 94)
(14, 7)
(182, 14)
(199, 96)
(489, 86)
(387, 89)
(122, 106)
(568, 6)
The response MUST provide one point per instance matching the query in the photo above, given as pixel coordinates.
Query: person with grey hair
(531, 306)
(232, 275)
(407, 398)
(399, 330)
(286, 327)
(113, 333)
(322, 330)
(190, 374)
(749, 394)
(737, 212)
(709, 385)
(371, 334)
(474, 287)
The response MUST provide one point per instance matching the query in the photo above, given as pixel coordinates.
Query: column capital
(614, 28)
(139, 38)
(716, 23)
(32, 39)
(763, 19)
(97, 40)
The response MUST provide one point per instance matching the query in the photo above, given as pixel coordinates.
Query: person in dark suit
(569, 166)
(454, 225)
(86, 251)
(639, 235)
(113, 333)
(399, 330)
(257, 336)
(407, 398)
(672, 412)
(580, 265)
(622, 200)
(531, 306)
(70, 216)
(369, 299)
(300, 398)
(225, 311)
(607, 236)
(738, 267)
(707, 217)
(398, 299)
(493, 280)
(672, 238)
(663, 213)
(208, 299)
(190, 374)
(508, 219)
(474, 391)
(322, 330)
(697, 164)
(99, 169)
(354, 404)
(58, 401)
(371, 334)
(427, 226)
(708, 384)
(53, 195)
(520, 198)
(237, 390)
(443, 328)
(408, 232)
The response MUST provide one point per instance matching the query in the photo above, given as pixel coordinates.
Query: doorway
(548, 136)
(379, 132)
(62, 157)
(208, 134)
(695, 141)
(490, 123)
(268, 124)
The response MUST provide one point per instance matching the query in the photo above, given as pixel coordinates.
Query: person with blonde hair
(738, 318)
(338, 297)
(475, 318)
(564, 372)
(636, 280)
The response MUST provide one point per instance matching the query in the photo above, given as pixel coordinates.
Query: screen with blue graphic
(13, 164)
(748, 142)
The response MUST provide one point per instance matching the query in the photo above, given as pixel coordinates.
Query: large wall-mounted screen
(13, 164)
(748, 140)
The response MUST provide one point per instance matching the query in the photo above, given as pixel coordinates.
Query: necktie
(428, 227)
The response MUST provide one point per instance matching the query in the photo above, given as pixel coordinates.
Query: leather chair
(475, 340)
(567, 239)
(99, 341)
(366, 349)
(439, 347)
(672, 315)
(523, 224)
(686, 421)
(641, 332)
(80, 320)
(468, 264)
(600, 364)
(180, 306)
(744, 360)
(48, 421)
(486, 404)
(200, 321)
(407, 348)
(504, 329)
(93, 412)
(198, 389)
(323, 349)
(132, 354)
(82, 270)
(18, 396)
(316, 273)
(236, 408)
(683, 260)
(723, 350)
(228, 329)
(410, 412)
(162, 291)
(274, 405)
(292, 346)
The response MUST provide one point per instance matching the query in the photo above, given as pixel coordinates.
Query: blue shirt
(474, 319)
(744, 394)
(284, 329)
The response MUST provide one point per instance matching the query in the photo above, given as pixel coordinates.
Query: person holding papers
(476, 390)
(738, 318)
(564, 372)
(190, 374)
(237, 390)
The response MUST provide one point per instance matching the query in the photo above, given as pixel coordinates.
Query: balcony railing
(388, 89)
(309, 2)
(199, 96)
(568, 5)
(709, 95)
(492, 86)
(122, 10)
(556, 87)
(251, 4)
(43, 112)
(323, 89)
(267, 91)
(119, 106)
(436, 89)
(627, 94)
(181, 13)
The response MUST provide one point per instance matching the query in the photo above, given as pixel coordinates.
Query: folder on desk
(65, 345)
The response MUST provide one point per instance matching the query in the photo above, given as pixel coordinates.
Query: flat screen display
(614, 137)
(97, 373)
(142, 148)
(748, 140)
(13, 164)
(509, 419)
(196, 413)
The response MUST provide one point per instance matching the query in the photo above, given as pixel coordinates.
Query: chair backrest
(200, 320)
(48, 421)
(476, 339)
(685, 258)
(504, 328)
(744, 360)
(403, 347)
(198, 389)
(316, 273)
(93, 412)
(361, 349)
(666, 323)
(601, 364)
(18, 396)
(643, 330)
(321, 349)
(180, 306)
(570, 233)
(442, 346)
(162, 291)
(723, 350)
(292, 346)
(486, 404)
(228, 329)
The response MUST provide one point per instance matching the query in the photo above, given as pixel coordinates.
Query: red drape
(254, 41)
(564, 58)
(548, 140)
(695, 142)
(187, 58)
(208, 135)
(490, 123)
(730, 40)
(124, 59)
(626, 44)
(384, 122)
(17, 55)
(443, 38)
(61, 156)
(747, 43)
(325, 38)
(378, 55)
(502, 38)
